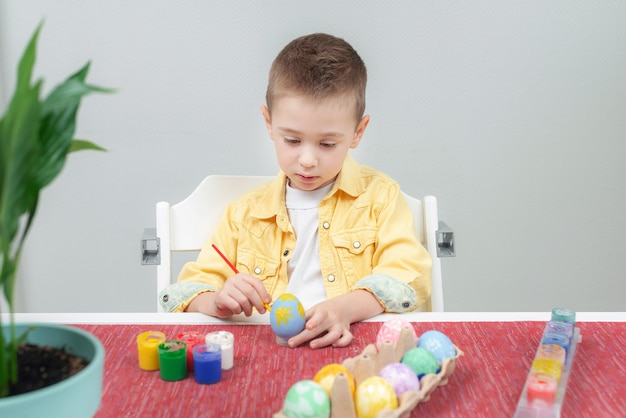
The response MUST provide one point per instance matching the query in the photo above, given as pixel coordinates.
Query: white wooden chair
(185, 227)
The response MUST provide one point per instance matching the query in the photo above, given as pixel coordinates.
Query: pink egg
(390, 331)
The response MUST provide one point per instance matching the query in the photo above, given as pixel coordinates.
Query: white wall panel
(512, 113)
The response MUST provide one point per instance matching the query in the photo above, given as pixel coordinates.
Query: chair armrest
(445, 241)
(150, 247)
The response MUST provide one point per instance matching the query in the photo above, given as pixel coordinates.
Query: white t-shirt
(303, 269)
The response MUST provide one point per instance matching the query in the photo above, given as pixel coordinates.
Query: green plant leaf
(18, 155)
(57, 128)
(82, 144)
(59, 122)
(26, 64)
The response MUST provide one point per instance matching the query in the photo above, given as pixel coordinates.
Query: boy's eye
(292, 140)
(327, 144)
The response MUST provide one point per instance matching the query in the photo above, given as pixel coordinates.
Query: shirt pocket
(262, 267)
(355, 249)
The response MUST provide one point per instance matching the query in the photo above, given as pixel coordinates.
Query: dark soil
(41, 366)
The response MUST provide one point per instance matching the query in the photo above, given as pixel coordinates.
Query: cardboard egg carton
(369, 363)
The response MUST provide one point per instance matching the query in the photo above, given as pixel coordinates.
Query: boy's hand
(241, 293)
(327, 322)
(330, 321)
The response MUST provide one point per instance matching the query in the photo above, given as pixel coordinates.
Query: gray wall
(511, 113)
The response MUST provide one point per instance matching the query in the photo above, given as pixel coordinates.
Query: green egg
(306, 399)
(421, 361)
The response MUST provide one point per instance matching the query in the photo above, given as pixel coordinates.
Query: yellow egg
(373, 395)
(327, 374)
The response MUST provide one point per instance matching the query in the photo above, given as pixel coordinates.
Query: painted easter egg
(437, 343)
(373, 395)
(306, 399)
(327, 374)
(390, 331)
(421, 361)
(287, 316)
(401, 378)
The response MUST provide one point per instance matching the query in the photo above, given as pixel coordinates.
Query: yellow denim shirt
(366, 238)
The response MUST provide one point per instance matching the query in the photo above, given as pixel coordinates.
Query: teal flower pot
(77, 396)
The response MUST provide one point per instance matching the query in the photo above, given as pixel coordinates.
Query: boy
(336, 234)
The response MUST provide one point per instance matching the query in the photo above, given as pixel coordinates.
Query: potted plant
(35, 137)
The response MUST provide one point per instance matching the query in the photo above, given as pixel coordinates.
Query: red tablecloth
(487, 381)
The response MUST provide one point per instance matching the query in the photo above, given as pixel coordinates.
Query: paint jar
(226, 341)
(148, 349)
(173, 360)
(207, 359)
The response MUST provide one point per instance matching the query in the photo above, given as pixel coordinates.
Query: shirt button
(165, 298)
(326, 225)
(356, 244)
(257, 270)
(405, 304)
(331, 278)
(286, 253)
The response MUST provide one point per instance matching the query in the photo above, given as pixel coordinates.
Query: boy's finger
(259, 289)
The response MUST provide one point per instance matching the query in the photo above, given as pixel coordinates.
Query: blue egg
(438, 344)
(287, 316)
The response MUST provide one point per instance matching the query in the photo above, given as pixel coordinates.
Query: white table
(196, 318)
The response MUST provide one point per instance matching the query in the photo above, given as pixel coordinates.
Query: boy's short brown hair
(318, 66)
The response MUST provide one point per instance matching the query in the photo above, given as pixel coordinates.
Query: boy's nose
(307, 159)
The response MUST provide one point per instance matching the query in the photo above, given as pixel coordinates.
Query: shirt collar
(273, 204)
(349, 179)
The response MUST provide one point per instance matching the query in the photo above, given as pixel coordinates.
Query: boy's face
(312, 138)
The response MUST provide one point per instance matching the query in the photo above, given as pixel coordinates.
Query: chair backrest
(185, 226)
(426, 220)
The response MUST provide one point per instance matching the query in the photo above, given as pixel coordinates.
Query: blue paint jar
(207, 363)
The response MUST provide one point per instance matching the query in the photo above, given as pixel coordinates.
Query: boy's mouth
(306, 178)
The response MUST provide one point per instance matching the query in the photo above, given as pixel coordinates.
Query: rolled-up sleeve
(177, 296)
(393, 294)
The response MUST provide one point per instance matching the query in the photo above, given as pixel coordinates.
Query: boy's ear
(360, 130)
(266, 116)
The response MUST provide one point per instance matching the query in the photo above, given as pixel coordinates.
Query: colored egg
(421, 361)
(287, 316)
(327, 374)
(401, 378)
(437, 343)
(390, 330)
(306, 399)
(373, 395)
